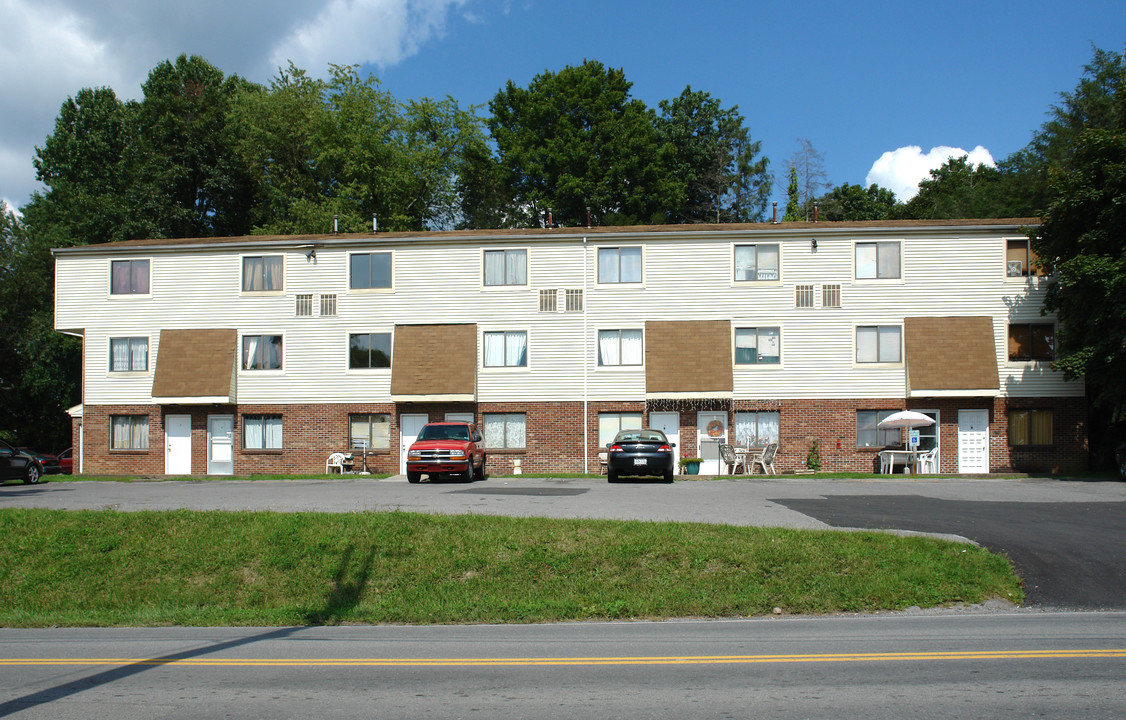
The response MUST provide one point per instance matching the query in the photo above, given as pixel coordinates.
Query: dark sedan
(639, 453)
(16, 464)
(48, 464)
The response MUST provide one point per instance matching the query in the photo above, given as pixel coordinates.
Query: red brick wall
(555, 435)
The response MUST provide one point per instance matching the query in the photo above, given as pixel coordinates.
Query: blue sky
(857, 79)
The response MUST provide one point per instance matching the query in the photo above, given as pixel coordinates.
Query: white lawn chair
(335, 460)
(603, 461)
(732, 459)
(928, 462)
(765, 457)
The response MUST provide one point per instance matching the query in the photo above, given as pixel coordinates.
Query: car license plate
(639, 461)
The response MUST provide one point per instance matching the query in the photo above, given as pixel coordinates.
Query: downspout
(586, 364)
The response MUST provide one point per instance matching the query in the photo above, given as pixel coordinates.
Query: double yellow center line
(580, 661)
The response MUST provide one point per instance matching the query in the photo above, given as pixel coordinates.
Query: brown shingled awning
(196, 367)
(950, 357)
(434, 363)
(688, 359)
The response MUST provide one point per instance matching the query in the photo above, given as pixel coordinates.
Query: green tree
(1083, 233)
(854, 202)
(793, 199)
(574, 142)
(724, 182)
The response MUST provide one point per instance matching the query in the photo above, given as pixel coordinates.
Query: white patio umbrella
(905, 419)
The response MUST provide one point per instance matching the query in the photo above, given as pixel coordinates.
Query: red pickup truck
(450, 448)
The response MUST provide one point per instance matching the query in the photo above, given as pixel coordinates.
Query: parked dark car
(16, 464)
(49, 464)
(1120, 460)
(66, 461)
(642, 452)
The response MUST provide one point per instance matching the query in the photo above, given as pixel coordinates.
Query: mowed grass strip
(100, 568)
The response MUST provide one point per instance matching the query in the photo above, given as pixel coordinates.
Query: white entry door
(409, 427)
(177, 444)
(973, 441)
(711, 432)
(669, 424)
(220, 444)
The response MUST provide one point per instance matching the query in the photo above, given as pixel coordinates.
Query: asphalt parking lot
(1066, 538)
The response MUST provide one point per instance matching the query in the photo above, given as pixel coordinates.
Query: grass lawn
(92, 568)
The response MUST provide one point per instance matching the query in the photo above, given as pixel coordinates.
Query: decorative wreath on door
(715, 428)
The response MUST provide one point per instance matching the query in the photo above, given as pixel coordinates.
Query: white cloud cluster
(54, 48)
(901, 170)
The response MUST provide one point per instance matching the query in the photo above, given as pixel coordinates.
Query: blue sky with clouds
(874, 86)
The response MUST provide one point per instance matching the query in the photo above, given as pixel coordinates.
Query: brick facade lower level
(555, 441)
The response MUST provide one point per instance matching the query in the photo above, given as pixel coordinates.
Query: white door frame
(219, 447)
(177, 445)
(969, 419)
(937, 432)
(710, 465)
(674, 437)
(405, 438)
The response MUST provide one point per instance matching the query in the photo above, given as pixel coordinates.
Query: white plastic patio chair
(335, 460)
(603, 460)
(764, 457)
(928, 462)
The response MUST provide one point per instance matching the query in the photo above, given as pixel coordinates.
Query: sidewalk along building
(266, 354)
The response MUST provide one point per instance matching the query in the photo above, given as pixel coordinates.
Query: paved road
(1003, 665)
(1067, 538)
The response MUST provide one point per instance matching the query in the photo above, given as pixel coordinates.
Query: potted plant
(691, 465)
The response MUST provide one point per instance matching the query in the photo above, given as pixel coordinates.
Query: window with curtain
(755, 263)
(756, 429)
(506, 349)
(758, 346)
(129, 277)
(878, 344)
(506, 267)
(505, 431)
(129, 354)
(619, 265)
(1032, 341)
(620, 347)
(611, 423)
(370, 271)
(374, 430)
(263, 273)
(1030, 427)
(262, 432)
(369, 350)
(129, 432)
(261, 352)
(877, 260)
(868, 432)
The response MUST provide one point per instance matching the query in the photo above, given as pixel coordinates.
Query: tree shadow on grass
(347, 589)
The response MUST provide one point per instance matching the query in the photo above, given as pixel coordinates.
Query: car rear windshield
(640, 436)
(444, 432)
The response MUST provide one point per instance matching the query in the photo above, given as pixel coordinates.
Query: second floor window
(755, 263)
(620, 347)
(369, 350)
(878, 344)
(129, 354)
(129, 277)
(877, 261)
(758, 346)
(370, 271)
(619, 265)
(1032, 341)
(506, 267)
(264, 273)
(1020, 260)
(506, 349)
(261, 352)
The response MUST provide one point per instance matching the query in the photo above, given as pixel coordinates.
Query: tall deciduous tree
(574, 141)
(854, 202)
(716, 159)
(793, 199)
(809, 165)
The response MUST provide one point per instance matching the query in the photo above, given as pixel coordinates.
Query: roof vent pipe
(775, 219)
(550, 223)
(816, 207)
(374, 223)
(335, 224)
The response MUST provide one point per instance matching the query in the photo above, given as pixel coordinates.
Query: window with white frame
(619, 264)
(263, 273)
(129, 354)
(620, 347)
(878, 261)
(831, 296)
(304, 306)
(1020, 260)
(262, 432)
(756, 429)
(129, 432)
(505, 431)
(756, 263)
(506, 349)
(611, 423)
(328, 305)
(879, 344)
(803, 296)
(758, 346)
(370, 271)
(506, 267)
(575, 300)
(1032, 341)
(547, 300)
(370, 430)
(870, 434)
(129, 277)
(369, 350)
(262, 352)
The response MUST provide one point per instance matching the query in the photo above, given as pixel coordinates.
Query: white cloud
(901, 170)
(54, 48)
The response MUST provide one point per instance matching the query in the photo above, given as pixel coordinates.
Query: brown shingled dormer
(950, 356)
(196, 366)
(690, 358)
(434, 362)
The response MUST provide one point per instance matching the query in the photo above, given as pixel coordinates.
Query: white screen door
(669, 424)
(711, 432)
(220, 444)
(409, 427)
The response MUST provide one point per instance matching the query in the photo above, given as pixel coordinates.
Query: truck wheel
(481, 470)
(467, 476)
(413, 477)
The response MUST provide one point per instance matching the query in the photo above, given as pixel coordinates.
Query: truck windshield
(444, 432)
